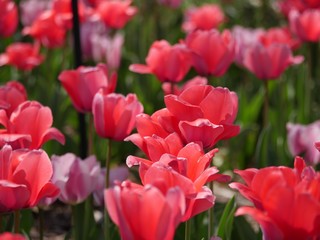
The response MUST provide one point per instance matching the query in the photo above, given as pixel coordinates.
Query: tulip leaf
(226, 220)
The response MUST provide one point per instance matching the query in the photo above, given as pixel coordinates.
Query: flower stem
(187, 230)
(266, 104)
(106, 216)
(41, 223)
(210, 216)
(16, 221)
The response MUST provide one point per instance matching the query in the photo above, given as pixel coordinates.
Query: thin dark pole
(78, 62)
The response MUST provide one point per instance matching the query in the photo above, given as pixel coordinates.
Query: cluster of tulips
(171, 178)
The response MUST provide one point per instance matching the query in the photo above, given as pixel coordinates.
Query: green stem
(41, 223)
(77, 217)
(210, 216)
(187, 230)
(90, 135)
(16, 221)
(1, 219)
(106, 216)
(266, 104)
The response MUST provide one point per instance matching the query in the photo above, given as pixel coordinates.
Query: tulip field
(159, 119)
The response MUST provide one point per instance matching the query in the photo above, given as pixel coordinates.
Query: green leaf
(226, 220)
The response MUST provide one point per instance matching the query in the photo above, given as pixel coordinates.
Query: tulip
(76, 178)
(8, 18)
(205, 17)
(189, 169)
(114, 114)
(30, 10)
(212, 52)
(144, 212)
(244, 38)
(167, 87)
(168, 63)
(46, 30)
(11, 236)
(107, 49)
(306, 25)
(279, 35)
(117, 174)
(82, 84)
(23, 56)
(301, 139)
(30, 121)
(269, 62)
(115, 13)
(286, 200)
(205, 114)
(24, 178)
(11, 95)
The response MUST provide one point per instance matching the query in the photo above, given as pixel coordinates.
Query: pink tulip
(212, 52)
(23, 56)
(144, 212)
(11, 236)
(286, 201)
(205, 17)
(269, 62)
(8, 18)
(301, 139)
(30, 10)
(117, 174)
(76, 178)
(205, 114)
(11, 95)
(114, 114)
(29, 126)
(82, 84)
(168, 88)
(244, 38)
(24, 178)
(115, 13)
(306, 25)
(108, 49)
(168, 63)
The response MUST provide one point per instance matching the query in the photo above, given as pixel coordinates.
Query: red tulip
(114, 114)
(47, 30)
(279, 35)
(168, 63)
(144, 212)
(205, 114)
(82, 84)
(286, 201)
(212, 52)
(63, 11)
(189, 169)
(24, 178)
(116, 13)
(168, 88)
(8, 18)
(30, 121)
(24, 56)
(306, 25)
(11, 95)
(205, 17)
(11, 236)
